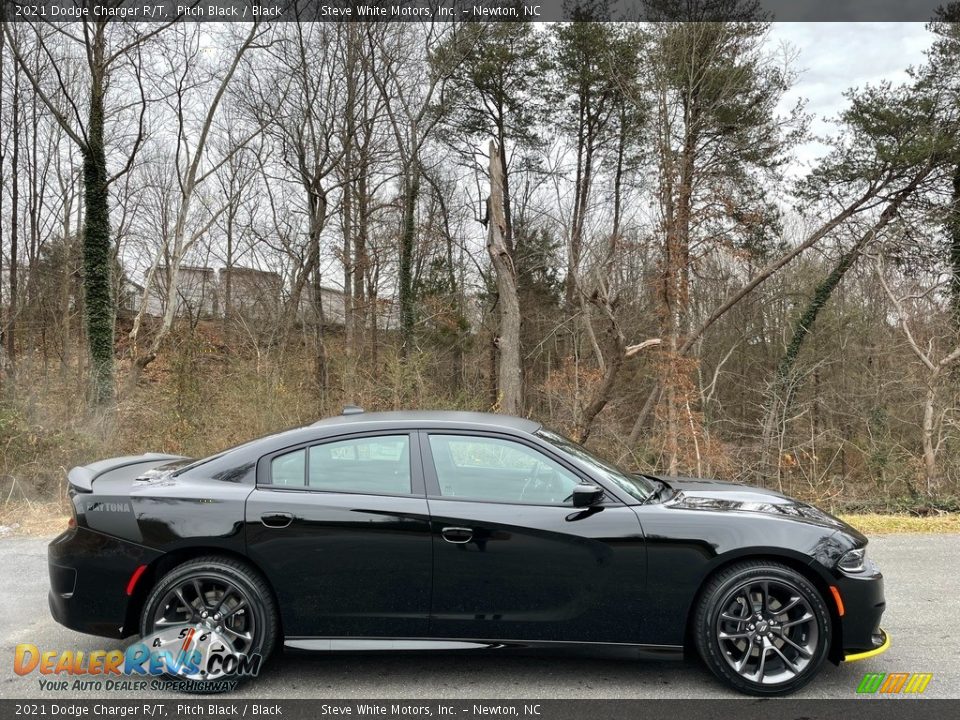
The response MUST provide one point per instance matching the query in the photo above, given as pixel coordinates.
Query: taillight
(72, 522)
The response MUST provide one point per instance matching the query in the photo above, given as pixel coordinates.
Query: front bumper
(884, 640)
(863, 606)
(88, 580)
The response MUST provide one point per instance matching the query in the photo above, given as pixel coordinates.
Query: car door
(341, 529)
(513, 559)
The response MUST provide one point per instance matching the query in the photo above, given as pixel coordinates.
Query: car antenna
(352, 410)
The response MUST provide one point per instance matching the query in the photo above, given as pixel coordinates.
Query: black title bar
(222, 708)
(470, 10)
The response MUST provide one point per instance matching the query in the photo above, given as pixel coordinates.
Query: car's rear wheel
(762, 627)
(212, 616)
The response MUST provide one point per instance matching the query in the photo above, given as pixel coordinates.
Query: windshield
(636, 485)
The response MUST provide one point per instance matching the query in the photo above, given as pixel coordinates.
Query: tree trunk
(348, 222)
(493, 385)
(66, 283)
(317, 199)
(618, 187)
(228, 269)
(929, 448)
(3, 158)
(98, 287)
(407, 240)
(352, 63)
(621, 352)
(953, 230)
(601, 395)
(360, 309)
(581, 190)
(10, 329)
(321, 375)
(675, 295)
(510, 395)
(457, 291)
(508, 238)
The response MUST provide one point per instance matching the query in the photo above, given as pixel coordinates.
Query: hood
(720, 496)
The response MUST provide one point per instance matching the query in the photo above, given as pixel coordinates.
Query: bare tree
(409, 103)
(508, 341)
(936, 365)
(107, 47)
(191, 173)
(9, 330)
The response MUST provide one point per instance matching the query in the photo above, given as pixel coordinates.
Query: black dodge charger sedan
(452, 531)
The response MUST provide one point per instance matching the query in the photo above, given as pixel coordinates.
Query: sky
(833, 57)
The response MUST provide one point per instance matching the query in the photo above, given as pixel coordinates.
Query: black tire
(736, 622)
(245, 581)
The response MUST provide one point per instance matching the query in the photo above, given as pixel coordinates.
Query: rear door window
(377, 465)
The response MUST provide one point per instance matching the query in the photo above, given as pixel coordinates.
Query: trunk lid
(115, 476)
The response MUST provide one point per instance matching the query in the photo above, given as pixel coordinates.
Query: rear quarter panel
(181, 513)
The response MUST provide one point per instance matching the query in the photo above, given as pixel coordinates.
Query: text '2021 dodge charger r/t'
(456, 531)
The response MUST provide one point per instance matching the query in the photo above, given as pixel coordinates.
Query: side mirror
(586, 495)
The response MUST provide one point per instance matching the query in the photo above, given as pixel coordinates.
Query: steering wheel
(543, 484)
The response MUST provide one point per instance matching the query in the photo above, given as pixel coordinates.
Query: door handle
(276, 519)
(457, 535)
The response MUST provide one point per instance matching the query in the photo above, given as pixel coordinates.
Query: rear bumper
(89, 573)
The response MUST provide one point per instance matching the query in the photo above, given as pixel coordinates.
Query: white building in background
(334, 308)
(196, 292)
(202, 293)
(250, 292)
(331, 301)
(130, 296)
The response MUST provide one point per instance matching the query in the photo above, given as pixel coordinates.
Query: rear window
(290, 469)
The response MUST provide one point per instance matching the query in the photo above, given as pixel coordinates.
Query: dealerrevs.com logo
(894, 683)
(177, 658)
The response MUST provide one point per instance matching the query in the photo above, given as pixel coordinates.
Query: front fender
(685, 547)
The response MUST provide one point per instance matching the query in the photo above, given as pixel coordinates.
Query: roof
(188, 268)
(412, 418)
(251, 452)
(238, 270)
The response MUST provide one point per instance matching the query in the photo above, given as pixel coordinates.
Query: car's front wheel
(762, 627)
(213, 619)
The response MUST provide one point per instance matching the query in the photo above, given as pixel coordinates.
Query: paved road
(923, 607)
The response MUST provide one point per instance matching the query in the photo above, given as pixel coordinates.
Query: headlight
(853, 560)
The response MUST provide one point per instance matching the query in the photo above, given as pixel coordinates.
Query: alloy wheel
(767, 630)
(208, 603)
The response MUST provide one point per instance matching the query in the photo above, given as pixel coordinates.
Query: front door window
(496, 470)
